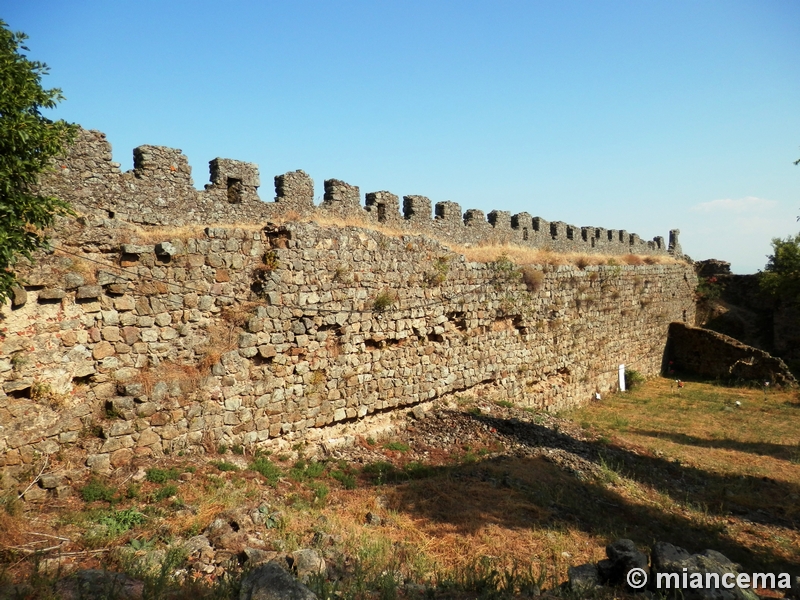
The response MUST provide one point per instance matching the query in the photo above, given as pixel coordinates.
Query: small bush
(224, 465)
(267, 468)
(347, 480)
(397, 446)
(384, 300)
(304, 470)
(533, 278)
(321, 492)
(97, 490)
(155, 475)
(633, 379)
(165, 492)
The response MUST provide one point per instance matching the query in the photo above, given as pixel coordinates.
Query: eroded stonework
(135, 338)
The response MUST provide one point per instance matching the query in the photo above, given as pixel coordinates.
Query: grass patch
(156, 475)
(269, 470)
(397, 446)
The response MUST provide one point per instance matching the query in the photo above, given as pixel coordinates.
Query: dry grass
(189, 378)
(484, 252)
(523, 255)
(686, 467)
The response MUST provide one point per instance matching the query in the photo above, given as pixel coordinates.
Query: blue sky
(638, 115)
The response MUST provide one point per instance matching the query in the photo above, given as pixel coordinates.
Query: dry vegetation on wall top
(472, 497)
(483, 252)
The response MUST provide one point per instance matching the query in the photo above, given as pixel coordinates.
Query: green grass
(397, 446)
(271, 472)
(224, 465)
(155, 475)
(97, 490)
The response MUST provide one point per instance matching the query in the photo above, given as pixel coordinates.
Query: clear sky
(642, 115)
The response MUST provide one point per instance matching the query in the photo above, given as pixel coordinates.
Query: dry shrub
(237, 315)
(582, 262)
(633, 259)
(188, 377)
(533, 278)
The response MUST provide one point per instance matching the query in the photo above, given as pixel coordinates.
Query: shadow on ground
(548, 489)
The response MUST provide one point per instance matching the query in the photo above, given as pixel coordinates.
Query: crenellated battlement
(160, 191)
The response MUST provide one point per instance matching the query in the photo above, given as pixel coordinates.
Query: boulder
(272, 582)
(308, 562)
(622, 557)
(667, 559)
(583, 577)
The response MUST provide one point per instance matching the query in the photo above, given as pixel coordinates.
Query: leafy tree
(782, 275)
(28, 143)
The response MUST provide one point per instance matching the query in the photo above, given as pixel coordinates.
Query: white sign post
(622, 378)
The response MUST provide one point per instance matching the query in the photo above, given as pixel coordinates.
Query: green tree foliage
(28, 143)
(781, 278)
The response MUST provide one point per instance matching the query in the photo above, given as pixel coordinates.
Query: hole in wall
(234, 190)
(23, 393)
(459, 320)
(524, 233)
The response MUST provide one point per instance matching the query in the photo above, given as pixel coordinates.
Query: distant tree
(28, 143)
(781, 277)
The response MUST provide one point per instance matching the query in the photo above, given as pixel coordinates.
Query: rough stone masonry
(168, 319)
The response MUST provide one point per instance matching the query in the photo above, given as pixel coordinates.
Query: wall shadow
(781, 451)
(550, 488)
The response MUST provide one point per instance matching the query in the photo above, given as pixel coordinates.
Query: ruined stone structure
(159, 191)
(142, 334)
(714, 355)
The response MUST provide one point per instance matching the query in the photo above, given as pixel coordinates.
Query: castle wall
(245, 335)
(179, 336)
(159, 191)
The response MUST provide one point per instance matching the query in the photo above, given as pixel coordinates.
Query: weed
(347, 480)
(267, 469)
(97, 490)
(505, 403)
(397, 446)
(305, 470)
(384, 300)
(633, 379)
(269, 261)
(532, 278)
(224, 465)
(441, 267)
(119, 521)
(341, 274)
(165, 492)
(156, 475)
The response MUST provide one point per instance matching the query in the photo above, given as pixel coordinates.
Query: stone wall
(146, 341)
(711, 354)
(159, 191)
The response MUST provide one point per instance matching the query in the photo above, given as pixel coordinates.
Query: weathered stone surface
(622, 557)
(307, 563)
(272, 582)
(712, 354)
(96, 583)
(241, 334)
(18, 296)
(51, 294)
(87, 292)
(583, 578)
(667, 559)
